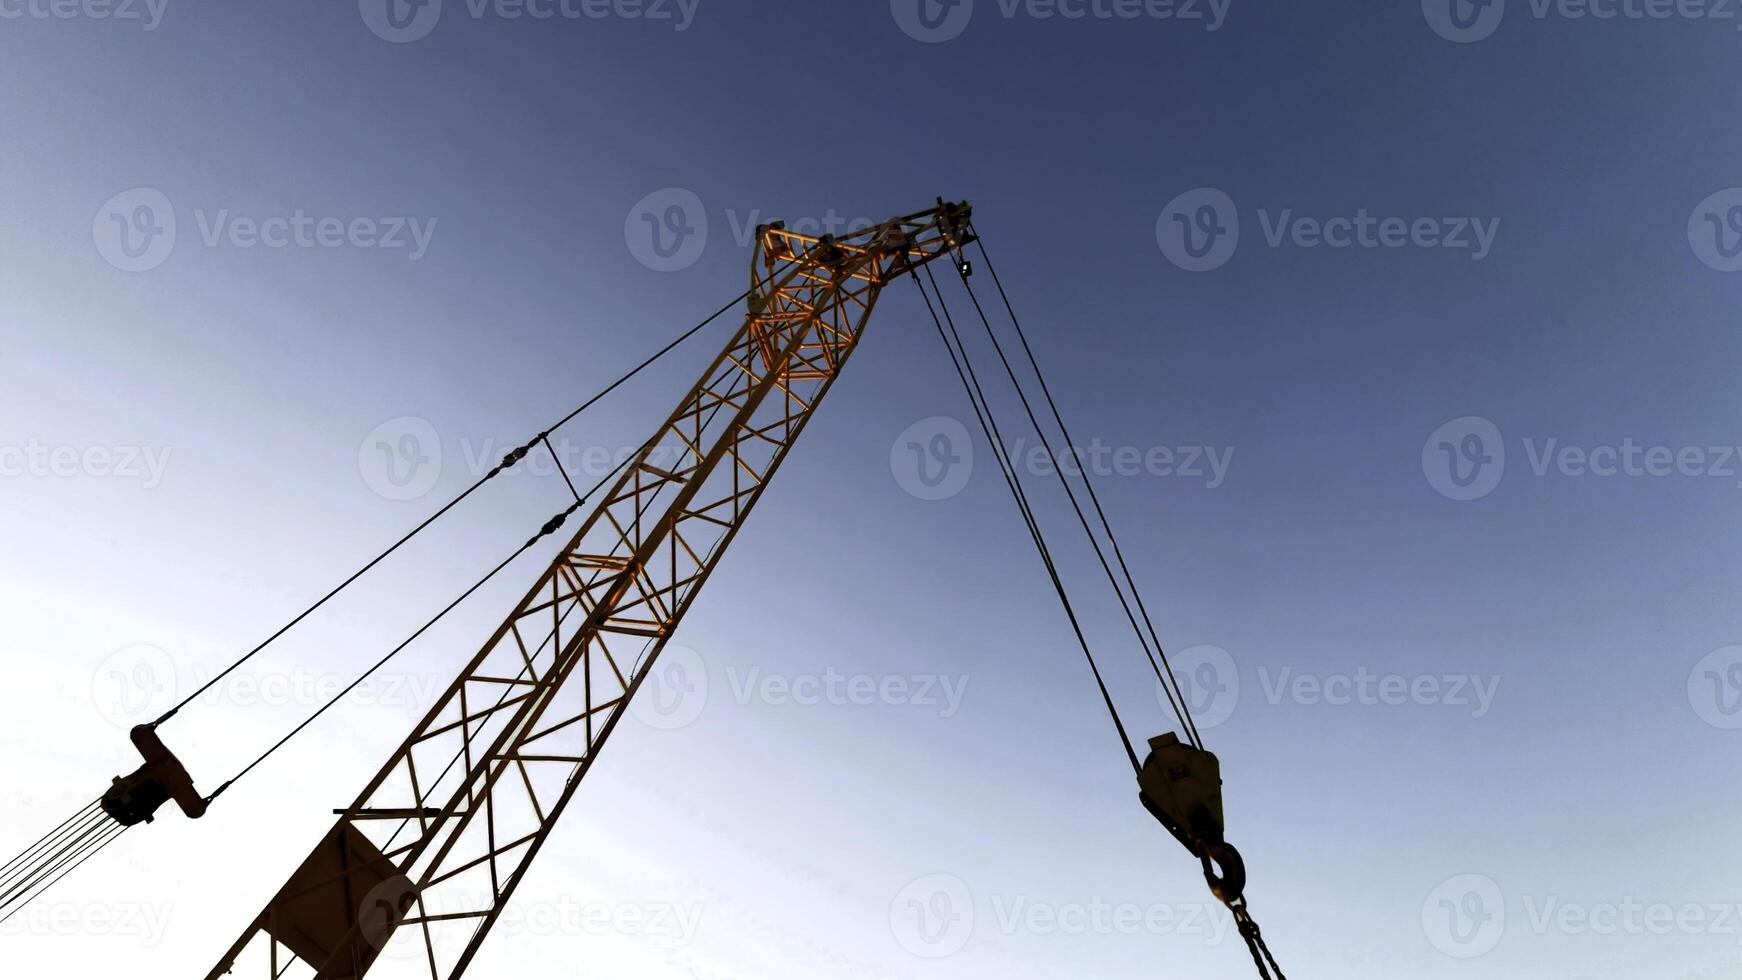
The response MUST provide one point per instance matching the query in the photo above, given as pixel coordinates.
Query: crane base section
(341, 907)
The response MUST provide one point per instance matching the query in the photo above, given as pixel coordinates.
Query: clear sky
(1454, 572)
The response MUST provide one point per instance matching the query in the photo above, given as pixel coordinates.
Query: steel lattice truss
(439, 840)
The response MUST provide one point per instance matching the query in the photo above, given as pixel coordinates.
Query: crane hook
(1181, 786)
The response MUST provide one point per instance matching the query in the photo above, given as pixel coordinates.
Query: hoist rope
(1165, 677)
(989, 426)
(507, 463)
(1263, 960)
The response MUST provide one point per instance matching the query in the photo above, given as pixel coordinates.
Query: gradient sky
(250, 387)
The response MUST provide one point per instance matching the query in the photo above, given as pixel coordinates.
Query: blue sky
(191, 433)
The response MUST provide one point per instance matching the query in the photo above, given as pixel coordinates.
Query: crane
(529, 714)
(443, 834)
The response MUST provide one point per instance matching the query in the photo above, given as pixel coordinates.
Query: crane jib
(445, 831)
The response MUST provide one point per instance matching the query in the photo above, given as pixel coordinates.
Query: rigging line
(1094, 498)
(507, 462)
(550, 527)
(988, 426)
(25, 867)
(114, 835)
(61, 827)
(377, 666)
(1262, 957)
(48, 866)
(1168, 682)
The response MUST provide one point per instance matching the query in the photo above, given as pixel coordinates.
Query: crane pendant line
(530, 712)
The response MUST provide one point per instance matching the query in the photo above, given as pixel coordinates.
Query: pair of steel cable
(1123, 582)
(79, 838)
